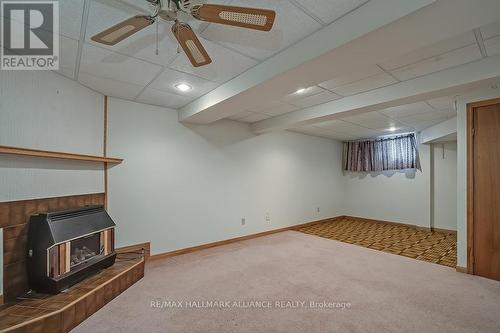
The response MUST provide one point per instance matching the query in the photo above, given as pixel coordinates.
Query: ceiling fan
(251, 18)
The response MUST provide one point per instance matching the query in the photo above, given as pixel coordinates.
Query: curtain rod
(388, 136)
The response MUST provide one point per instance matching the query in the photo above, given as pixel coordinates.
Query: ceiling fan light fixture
(183, 87)
(168, 10)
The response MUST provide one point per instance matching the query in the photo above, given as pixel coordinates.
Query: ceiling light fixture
(183, 87)
(301, 90)
(392, 129)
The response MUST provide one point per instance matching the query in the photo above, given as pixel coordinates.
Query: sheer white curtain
(394, 153)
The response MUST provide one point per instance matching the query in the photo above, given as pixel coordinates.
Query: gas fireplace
(66, 247)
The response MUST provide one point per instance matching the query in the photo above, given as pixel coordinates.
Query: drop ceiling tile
(106, 64)
(68, 49)
(274, 108)
(420, 125)
(372, 120)
(240, 115)
(431, 51)
(361, 72)
(492, 46)
(70, 18)
(254, 117)
(332, 124)
(442, 103)
(370, 83)
(291, 25)
(340, 126)
(307, 92)
(434, 115)
(141, 45)
(330, 10)
(133, 7)
(169, 78)
(407, 110)
(343, 137)
(109, 87)
(356, 132)
(397, 130)
(448, 113)
(318, 132)
(440, 62)
(321, 98)
(162, 98)
(225, 65)
(491, 30)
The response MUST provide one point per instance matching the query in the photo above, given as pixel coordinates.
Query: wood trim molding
(105, 134)
(461, 269)
(470, 188)
(470, 178)
(137, 248)
(446, 231)
(57, 155)
(234, 240)
(105, 151)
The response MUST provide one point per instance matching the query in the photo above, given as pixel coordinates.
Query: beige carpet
(365, 291)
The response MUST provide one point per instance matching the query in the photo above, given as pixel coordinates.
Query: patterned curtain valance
(395, 153)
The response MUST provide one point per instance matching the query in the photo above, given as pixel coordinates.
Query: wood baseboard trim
(462, 269)
(237, 239)
(445, 231)
(137, 248)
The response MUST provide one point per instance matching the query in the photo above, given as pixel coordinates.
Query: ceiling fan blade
(252, 18)
(122, 30)
(191, 44)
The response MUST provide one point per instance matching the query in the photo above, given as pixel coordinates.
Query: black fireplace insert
(66, 247)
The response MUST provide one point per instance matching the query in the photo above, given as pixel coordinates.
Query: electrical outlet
(317, 209)
(243, 221)
(268, 217)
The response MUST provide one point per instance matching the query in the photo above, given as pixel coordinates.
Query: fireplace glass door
(84, 249)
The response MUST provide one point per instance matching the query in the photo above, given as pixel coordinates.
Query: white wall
(391, 196)
(444, 185)
(182, 186)
(42, 110)
(462, 101)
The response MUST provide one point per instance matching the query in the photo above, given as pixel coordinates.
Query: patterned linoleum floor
(436, 247)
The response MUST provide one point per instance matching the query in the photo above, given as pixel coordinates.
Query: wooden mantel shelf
(58, 155)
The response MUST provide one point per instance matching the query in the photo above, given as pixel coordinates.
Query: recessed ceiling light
(183, 87)
(301, 90)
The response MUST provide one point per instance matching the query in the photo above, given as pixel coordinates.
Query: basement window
(383, 154)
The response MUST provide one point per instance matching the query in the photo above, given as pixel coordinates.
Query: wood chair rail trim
(57, 155)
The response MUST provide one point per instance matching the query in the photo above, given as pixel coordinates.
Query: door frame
(471, 109)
